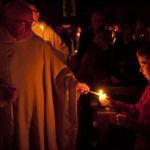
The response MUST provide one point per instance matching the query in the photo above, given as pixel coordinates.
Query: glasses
(21, 21)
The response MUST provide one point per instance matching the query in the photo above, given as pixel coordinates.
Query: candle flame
(78, 34)
(103, 98)
(102, 95)
(42, 27)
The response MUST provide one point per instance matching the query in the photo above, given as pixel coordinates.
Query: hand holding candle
(103, 98)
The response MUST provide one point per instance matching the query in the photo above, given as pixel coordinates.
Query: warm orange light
(102, 95)
(78, 34)
(42, 27)
(103, 98)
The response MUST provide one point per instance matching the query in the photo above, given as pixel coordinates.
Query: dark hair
(144, 50)
(98, 13)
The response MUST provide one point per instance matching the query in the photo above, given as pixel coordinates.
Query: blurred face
(127, 34)
(97, 22)
(102, 40)
(19, 24)
(144, 66)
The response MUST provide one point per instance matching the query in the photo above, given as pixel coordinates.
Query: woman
(137, 116)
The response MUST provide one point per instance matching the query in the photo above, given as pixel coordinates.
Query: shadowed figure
(43, 113)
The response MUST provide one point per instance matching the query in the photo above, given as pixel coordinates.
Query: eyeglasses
(21, 21)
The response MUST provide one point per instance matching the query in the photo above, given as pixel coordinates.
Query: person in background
(38, 92)
(70, 35)
(87, 34)
(47, 33)
(95, 70)
(137, 116)
(96, 64)
(141, 33)
(125, 61)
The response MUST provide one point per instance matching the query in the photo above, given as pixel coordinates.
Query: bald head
(18, 19)
(15, 9)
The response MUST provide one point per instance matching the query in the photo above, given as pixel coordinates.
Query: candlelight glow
(78, 32)
(42, 27)
(103, 98)
(102, 95)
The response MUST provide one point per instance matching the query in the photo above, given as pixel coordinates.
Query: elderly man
(43, 115)
(48, 34)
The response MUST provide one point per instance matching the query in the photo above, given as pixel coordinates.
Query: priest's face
(98, 22)
(18, 23)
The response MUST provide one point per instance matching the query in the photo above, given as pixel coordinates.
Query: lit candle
(42, 28)
(102, 97)
(100, 94)
(78, 32)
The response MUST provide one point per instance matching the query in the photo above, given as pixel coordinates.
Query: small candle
(103, 98)
(42, 28)
(102, 95)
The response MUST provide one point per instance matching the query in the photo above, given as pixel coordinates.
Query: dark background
(117, 11)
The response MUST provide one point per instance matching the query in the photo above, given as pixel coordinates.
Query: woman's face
(144, 62)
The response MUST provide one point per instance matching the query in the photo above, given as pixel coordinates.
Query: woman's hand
(107, 102)
(126, 121)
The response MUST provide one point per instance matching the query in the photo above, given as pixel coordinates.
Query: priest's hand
(82, 88)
